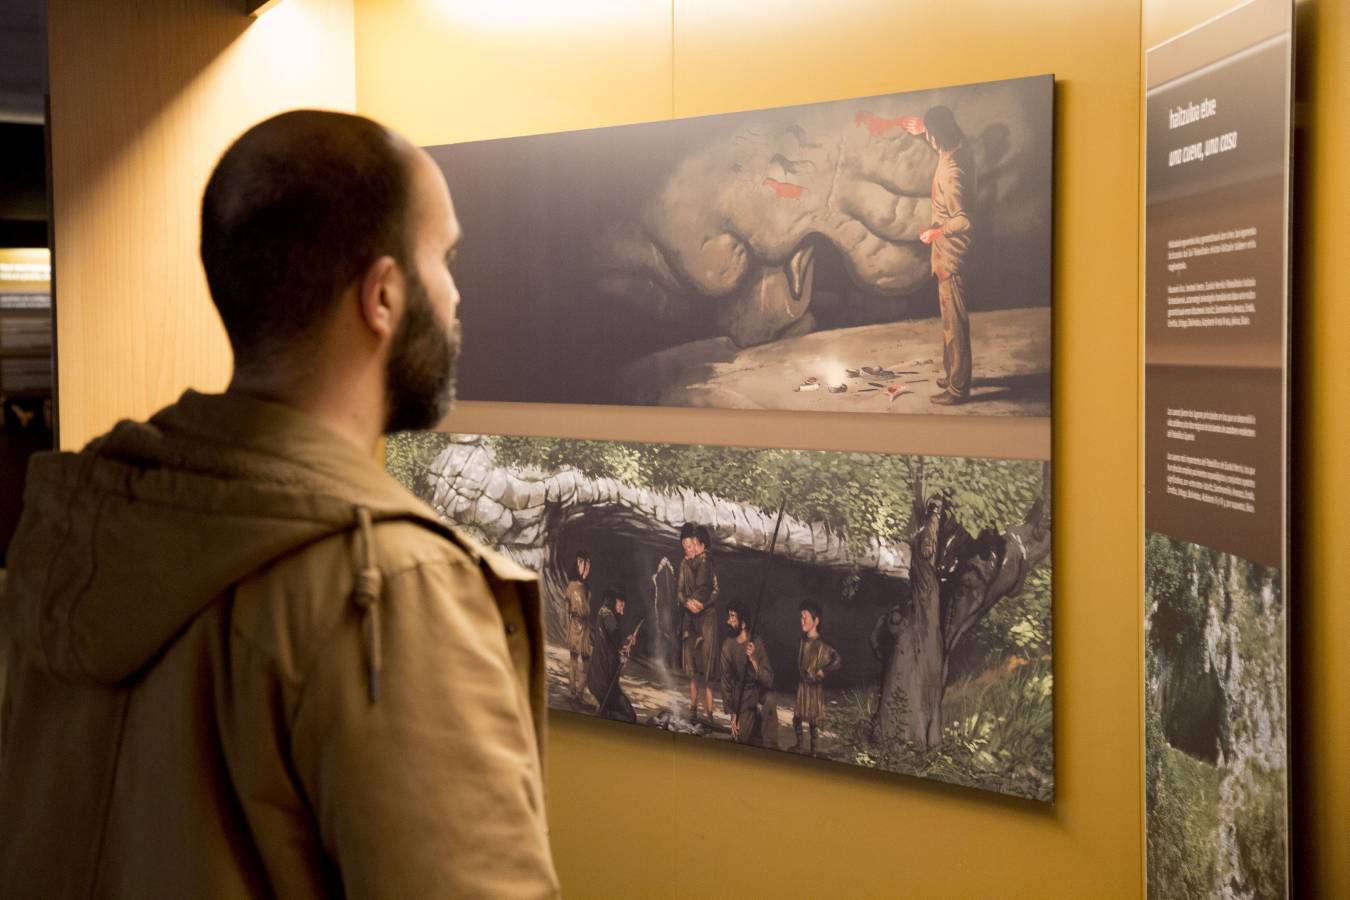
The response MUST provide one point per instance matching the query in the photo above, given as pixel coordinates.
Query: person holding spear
(747, 674)
(747, 683)
(610, 650)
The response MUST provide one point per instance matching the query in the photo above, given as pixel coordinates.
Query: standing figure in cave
(578, 595)
(698, 632)
(747, 683)
(815, 659)
(611, 645)
(951, 236)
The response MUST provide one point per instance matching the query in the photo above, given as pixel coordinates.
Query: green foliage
(594, 459)
(1019, 625)
(1193, 587)
(1260, 825)
(998, 734)
(1164, 565)
(1183, 821)
(860, 495)
(1260, 833)
(1154, 744)
(1178, 577)
(408, 454)
(987, 493)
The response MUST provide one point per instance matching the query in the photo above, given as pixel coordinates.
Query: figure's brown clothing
(957, 362)
(578, 617)
(814, 655)
(747, 691)
(698, 635)
(953, 197)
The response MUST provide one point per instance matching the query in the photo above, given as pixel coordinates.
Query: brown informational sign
(1215, 300)
(1216, 285)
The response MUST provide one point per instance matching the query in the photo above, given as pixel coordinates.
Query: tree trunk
(911, 695)
(914, 682)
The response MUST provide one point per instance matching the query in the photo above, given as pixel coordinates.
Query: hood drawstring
(366, 595)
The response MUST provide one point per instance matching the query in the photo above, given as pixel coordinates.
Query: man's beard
(421, 370)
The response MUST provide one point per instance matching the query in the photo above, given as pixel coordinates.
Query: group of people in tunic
(718, 646)
(598, 645)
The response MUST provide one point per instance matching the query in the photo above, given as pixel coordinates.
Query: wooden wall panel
(144, 98)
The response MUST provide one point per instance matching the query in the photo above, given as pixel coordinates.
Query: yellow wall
(145, 97)
(645, 813)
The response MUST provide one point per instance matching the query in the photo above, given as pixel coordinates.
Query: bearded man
(245, 661)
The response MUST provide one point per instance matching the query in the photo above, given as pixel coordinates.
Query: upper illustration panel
(888, 254)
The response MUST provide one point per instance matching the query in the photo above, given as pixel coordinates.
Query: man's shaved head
(295, 211)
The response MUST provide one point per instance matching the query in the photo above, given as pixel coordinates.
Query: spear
(759, 596)
(764, 573)
(628, 645)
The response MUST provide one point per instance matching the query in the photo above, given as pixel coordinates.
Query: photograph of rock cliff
(888, 254)
(1215, 724)
(882, 610)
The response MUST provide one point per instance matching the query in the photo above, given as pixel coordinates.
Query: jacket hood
(122, 544)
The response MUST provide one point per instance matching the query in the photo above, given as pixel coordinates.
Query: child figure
(814, 659)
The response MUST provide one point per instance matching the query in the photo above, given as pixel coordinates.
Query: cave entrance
(627, 552)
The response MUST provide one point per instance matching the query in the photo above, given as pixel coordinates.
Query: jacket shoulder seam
(304, 678)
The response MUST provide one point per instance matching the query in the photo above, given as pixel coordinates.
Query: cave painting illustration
(869, 255)
(881, 610)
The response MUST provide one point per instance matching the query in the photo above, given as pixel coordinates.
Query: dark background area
(24, 221)
(23, 154)
(23, 185)
(531, 209)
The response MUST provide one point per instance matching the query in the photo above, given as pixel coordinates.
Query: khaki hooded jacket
(245, 662)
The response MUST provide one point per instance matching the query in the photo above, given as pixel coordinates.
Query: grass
(407, 455)
(1183, 820)
(1260, 834)
(998, 734)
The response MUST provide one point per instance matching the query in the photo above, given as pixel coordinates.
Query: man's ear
(380, 296)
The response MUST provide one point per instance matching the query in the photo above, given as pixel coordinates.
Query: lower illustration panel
(882, 610)
(1214, 707)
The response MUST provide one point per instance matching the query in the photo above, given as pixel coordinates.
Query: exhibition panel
(887, 611)
(885, 255)
(787, 258)
(1216, 426)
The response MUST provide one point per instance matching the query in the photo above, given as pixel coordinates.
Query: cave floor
(653, 690)
(1010, 349)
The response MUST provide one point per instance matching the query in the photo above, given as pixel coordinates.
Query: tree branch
(1026, 544)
